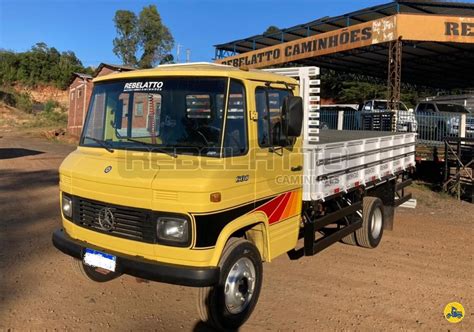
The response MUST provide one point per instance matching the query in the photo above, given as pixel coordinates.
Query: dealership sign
(408, 27)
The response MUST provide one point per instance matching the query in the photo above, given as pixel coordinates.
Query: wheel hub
(376, 225)
(239, 285)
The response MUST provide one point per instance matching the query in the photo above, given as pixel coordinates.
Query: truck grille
(129, 223)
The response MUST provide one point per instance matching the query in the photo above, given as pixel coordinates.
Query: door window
(269, 103)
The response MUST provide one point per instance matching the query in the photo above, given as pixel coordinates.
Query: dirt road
(425, 263)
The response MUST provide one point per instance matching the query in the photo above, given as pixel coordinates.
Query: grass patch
(47, 120)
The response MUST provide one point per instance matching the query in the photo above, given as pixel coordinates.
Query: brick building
(80, 91)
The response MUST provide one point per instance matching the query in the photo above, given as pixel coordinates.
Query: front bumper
(141, 267)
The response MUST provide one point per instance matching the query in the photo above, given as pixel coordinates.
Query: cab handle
(296, 168)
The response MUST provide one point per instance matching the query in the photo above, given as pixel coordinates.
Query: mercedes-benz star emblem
(106, 219)
(107, 169)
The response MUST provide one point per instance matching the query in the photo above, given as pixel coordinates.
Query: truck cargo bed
(334, 136)
(343, 160)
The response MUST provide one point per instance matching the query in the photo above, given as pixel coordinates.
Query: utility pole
(188, 55)
(178, 51)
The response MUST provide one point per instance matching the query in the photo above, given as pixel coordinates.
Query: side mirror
(118, 114)
(367, 108)
(411, 110)
(293, 114)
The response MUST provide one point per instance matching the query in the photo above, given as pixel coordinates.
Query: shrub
(50, 106)
(24, 102)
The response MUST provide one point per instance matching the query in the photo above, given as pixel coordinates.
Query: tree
(271, 30)
(169, 58)
(155, 39)
(126, 43)
(40, 65)
(147, 34)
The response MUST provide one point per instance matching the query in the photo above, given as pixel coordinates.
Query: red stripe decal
(275, 216)
(269, 207)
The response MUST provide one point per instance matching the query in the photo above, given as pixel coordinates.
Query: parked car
(442, 119)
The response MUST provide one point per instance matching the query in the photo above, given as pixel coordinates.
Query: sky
(86, 26)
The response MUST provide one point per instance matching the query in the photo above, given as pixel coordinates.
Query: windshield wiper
(169, 153)
(102, 143)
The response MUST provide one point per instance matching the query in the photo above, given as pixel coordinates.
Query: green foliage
(271, 30)
(40, 65)
(22, 101)
(53, 115)
(51, 105)
(126, 43)
(358, 92)
(47, 119)
(155, 38)
(167, 59)
(147, 34)
(350, 89)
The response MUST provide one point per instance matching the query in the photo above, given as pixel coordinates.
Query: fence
(431, 128)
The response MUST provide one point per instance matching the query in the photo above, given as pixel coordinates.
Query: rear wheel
(370, 234)
(93, 273)
(349, 239)
(229, 304)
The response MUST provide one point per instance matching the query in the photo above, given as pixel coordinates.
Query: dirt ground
(404, 284)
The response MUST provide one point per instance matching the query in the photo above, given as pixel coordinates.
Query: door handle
(296, 168)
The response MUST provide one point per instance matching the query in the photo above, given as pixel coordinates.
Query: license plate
(99, 259)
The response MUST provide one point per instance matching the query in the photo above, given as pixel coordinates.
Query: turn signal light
(215, 197)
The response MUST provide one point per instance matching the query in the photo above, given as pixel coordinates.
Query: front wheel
(229, 304)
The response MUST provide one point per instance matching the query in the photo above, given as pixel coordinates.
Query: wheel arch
(253, 227)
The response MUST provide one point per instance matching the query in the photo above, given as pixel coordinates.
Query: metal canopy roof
(436, 64)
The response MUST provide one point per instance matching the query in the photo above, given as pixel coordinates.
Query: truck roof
(199, 69)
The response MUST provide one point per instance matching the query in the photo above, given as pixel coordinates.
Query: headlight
(66, 206)
(173, 231)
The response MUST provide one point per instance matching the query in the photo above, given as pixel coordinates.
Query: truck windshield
(183, 115)
(382, 105)
(451, 108)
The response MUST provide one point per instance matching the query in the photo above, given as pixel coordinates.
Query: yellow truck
(196, 174)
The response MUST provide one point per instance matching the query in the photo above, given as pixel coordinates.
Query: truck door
(279, 168)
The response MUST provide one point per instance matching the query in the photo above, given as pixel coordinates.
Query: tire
(90, 273)
(241, 258)
(370, 234)
(350, 239)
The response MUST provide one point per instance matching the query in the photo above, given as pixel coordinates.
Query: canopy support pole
(394, 78)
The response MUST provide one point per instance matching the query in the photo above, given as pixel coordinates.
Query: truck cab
(170, 166)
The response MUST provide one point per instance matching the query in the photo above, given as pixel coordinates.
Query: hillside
(43, 93)
(43, 107)
(11, 118)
